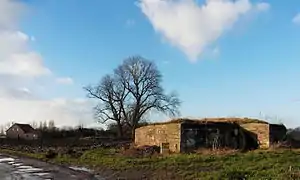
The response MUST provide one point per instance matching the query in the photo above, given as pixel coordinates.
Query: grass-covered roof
(211, 120)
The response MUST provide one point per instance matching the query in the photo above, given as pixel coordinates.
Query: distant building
(21, 131)
(183, 135)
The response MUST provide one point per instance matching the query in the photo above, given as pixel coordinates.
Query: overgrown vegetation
(272, 164)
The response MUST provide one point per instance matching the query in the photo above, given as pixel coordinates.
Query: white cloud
(25, 64)
(21, 70)
(16, 58)
(192, 27)
(64, 112)
(16, 93)
(296, 19)
(10, 13)
(64, 80)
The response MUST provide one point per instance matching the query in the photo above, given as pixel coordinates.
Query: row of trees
(43, 124)
(130, 93)
(50, 131)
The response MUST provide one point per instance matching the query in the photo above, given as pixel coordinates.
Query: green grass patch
(277, 164)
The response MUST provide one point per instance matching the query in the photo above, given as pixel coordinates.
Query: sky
(224, 58)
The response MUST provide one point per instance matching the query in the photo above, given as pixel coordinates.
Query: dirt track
(14, 168)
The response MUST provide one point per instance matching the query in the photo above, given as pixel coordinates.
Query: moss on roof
(210, 120)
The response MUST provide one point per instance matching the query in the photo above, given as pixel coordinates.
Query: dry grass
(224, 151)
(211, 120)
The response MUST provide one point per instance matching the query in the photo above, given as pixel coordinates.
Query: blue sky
(241, 62)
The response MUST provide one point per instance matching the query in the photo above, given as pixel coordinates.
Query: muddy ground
(15, 168)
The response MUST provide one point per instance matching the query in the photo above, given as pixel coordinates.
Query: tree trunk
(133, 133)
(120, 130)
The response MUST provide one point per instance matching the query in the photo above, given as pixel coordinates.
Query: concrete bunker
(186, 135)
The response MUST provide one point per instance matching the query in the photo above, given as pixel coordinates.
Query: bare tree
(142, 79)
(51, 125)
(34, 124)
(2, 130)
(41, 125)
(132, 92)
(7, 126)
(45, 125)
(110, 96)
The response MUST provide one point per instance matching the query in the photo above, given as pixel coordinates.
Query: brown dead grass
(223, 151)
(211, 120)
(142, 151)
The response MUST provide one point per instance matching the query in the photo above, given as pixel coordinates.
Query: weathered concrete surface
(262, 132)
(170, 132)
(155, 135)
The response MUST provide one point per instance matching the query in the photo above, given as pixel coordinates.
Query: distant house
(21, 131)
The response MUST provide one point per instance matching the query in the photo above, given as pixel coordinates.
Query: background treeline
(48, 129)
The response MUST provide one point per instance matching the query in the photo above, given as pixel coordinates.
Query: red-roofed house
(21, 131)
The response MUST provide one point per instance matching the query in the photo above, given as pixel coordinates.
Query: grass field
(260, 164)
